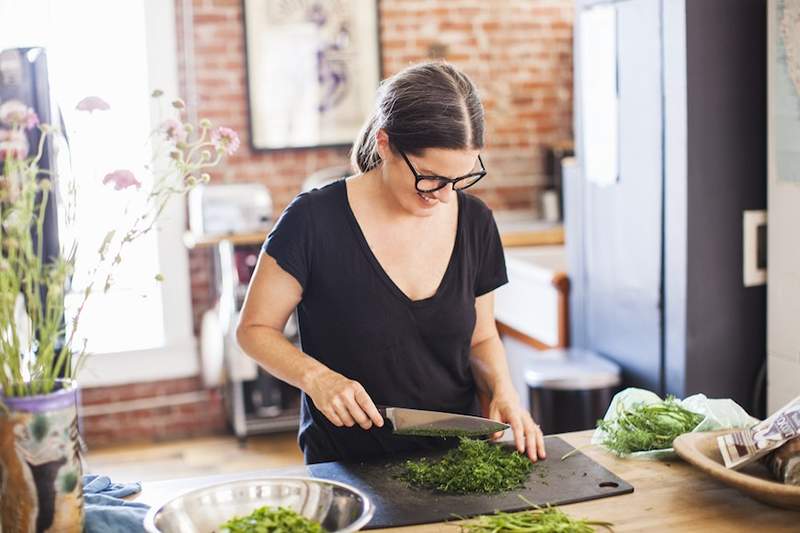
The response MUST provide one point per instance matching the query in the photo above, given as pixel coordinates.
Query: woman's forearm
(490, 368)
(343, 401)
(273, 351)
(500, 401)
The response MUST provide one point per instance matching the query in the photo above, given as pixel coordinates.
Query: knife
(421, 423)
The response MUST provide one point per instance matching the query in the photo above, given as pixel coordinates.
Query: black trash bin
(570, 388)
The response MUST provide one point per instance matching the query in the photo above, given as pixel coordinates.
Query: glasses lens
(430, 185)
(469, 182)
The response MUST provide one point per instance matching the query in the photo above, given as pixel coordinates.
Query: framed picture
(312, 71)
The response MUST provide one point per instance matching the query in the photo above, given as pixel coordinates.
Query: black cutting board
(554, 482)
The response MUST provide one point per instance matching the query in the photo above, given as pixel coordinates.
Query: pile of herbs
(271, 520)
(540, 520)
(647, 427)
(476, 466)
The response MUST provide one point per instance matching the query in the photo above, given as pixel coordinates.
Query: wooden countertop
(668, 496)
(539, 237)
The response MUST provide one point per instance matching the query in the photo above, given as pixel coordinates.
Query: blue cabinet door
(614, 232)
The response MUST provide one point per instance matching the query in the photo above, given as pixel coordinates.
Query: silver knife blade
(439, 424)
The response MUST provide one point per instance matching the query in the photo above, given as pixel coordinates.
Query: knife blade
(418, 422)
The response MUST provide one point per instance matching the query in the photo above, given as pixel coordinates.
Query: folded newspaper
(742, 447)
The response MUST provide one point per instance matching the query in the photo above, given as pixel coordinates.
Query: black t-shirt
(355, 320)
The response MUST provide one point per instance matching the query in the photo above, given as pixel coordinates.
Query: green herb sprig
(476, 466)
(647, 427)
(271, 520)
(539, 520)
(39, 281)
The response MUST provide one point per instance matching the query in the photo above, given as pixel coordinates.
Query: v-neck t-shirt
(356, 321)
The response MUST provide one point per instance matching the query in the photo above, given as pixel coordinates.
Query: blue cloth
(106, 511)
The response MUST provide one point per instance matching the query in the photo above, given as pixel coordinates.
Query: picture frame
(312, 71)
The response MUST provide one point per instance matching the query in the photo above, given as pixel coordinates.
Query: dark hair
(430, 105)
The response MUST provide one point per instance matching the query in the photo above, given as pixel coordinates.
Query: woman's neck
(376, 190)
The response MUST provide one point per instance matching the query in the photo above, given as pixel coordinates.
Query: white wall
(783, 261)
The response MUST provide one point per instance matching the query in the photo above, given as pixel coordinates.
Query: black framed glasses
(434, 183)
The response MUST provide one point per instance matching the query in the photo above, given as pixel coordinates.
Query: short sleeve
(492, 265)
(290, 241)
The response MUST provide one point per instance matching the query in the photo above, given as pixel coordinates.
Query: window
(121, 50)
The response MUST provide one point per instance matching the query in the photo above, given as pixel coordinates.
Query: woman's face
(398, 175)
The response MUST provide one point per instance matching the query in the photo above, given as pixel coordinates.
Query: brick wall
(519, 53)
(150, 412)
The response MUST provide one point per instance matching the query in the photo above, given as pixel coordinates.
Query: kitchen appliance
(229, 208)
(336, 506)
(438, 424)
(552, 482)
(233, 219)
(256, 401)
(552, 198)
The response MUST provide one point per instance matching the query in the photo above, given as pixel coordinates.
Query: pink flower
(174, 130)
(14, 144)
(122, 179)
(31, 119)
(14, 112)
(92, 103)
(225, 140)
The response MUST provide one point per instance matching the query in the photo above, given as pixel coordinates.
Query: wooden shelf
(554, 235)
(190, 240)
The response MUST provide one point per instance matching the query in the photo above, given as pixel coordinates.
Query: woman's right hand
(343, 401)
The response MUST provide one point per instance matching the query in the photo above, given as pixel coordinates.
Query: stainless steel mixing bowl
(338, 507)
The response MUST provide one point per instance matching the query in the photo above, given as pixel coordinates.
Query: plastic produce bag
(718, 414)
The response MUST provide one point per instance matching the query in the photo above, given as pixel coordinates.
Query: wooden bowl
(700, 450)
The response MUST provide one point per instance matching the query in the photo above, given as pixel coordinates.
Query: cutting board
(552, 481)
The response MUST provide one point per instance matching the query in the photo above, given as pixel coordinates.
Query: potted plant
(40, 468)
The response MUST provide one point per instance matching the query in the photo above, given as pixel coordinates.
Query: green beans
(539, 520)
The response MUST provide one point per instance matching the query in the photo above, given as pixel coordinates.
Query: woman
(392, 272)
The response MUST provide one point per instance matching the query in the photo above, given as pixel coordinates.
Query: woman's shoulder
(329, 192)
(308, 218)
(476, 212)
(317, 200)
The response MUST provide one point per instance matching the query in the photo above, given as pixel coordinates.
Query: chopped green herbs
(540, 520)
(474, 467)
(647, 427)
(432, 432)
(271, 520)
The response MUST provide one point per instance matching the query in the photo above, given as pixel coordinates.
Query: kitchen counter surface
(668, 496)
(517, 228)
(522, 228)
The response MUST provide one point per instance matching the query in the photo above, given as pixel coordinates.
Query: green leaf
(647, 427)
(270, 520)
(106, 242)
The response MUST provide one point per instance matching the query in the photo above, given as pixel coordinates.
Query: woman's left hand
(505, 407)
